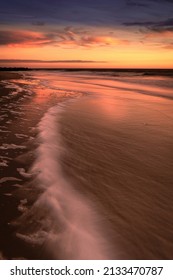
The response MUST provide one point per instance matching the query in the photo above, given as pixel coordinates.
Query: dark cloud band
(47, 61)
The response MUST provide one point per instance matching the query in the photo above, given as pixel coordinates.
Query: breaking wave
(61, 220)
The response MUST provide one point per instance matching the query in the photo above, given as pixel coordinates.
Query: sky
(87, 33)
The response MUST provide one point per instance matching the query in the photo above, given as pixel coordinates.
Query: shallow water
(87, 163)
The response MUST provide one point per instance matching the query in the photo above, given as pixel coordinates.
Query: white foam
(70, 223)
(24, 173)
(17, 113)
(3, 127)
(4, 163)
(4, 157)
(11, 146)
(4, 131)
(2, 117)
(7, 194)
(22, 206)
(17, 185)
(5, 179)
(37, 238)
(11, 85)
(20, 135)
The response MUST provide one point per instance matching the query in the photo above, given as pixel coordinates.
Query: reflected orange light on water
(111, 108)
(42, 95)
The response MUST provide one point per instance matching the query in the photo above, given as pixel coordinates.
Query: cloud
(161, 34)
(23, 38)
(91, 40)
(165, 26)
(168, 46)
(38, 23)
(163, 1)
(65, 37)
(132, 3)
(152, 24)
(156, 33)
(91, 13)
(109, 13)
(105, 41)
(155, 29)
(47, 61)
(139, 23)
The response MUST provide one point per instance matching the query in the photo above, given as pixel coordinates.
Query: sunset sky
(87, 33)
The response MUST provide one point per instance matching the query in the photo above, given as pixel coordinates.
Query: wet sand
(11, 182)
(96, 161)
(120, 155)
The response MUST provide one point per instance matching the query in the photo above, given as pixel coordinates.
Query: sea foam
(67, 224)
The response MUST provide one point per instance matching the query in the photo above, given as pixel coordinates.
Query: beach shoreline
(116, 152)
(15, 193)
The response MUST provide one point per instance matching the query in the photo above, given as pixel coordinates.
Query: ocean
(86, 160)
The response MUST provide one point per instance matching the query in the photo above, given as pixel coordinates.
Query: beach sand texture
(86, 166)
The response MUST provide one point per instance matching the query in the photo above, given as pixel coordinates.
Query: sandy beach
(86, 166)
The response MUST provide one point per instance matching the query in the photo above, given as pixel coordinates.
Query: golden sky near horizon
(131, 39)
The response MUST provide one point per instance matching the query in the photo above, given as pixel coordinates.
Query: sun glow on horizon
(94, 34)
(79, 47)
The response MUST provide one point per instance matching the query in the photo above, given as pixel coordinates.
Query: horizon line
(80, 68)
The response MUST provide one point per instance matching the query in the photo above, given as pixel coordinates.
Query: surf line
(71, 225)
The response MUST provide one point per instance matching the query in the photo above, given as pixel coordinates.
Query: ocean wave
(63, 221)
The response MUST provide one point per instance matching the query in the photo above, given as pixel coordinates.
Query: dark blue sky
(88, 12)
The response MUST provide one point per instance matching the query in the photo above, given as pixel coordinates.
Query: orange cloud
(63, 37)
(23, 38)
(101, 40)
(162, 34)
